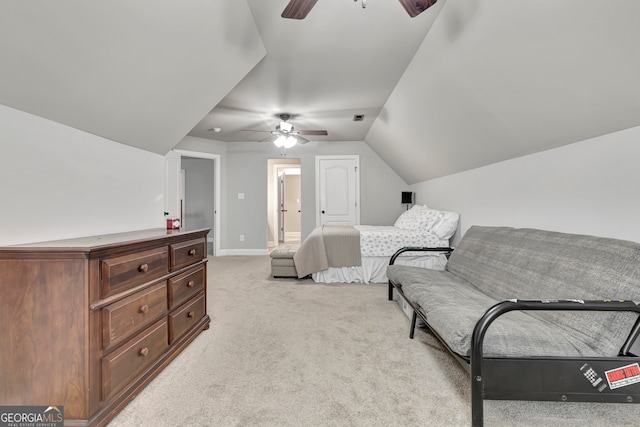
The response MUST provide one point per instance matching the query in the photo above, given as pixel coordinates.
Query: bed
(361, 253)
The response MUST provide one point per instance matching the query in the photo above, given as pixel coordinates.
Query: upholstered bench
(282, 261)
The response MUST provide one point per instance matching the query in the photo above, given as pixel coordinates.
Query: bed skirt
(374, 269)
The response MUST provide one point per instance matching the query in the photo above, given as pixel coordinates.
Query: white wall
(60, 182)
(590, 187)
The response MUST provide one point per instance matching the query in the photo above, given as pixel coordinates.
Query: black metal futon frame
(577, 379)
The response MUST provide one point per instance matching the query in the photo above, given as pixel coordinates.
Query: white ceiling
(339, 61)
(139, 72)
(499, 79)
(465, 84)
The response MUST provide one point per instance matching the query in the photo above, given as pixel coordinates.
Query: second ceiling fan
(285, 134)
(298, 9)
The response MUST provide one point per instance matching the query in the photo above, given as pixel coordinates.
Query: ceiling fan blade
(255, 130)
(269, 138)
(312, 132)
(298, 9)
(301, 140)
(416, 7)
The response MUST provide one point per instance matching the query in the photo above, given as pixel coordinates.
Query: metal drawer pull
(190, 284)
(192, 252)
(144, 351)
(191, 314)
(144, 309)
(143, 268)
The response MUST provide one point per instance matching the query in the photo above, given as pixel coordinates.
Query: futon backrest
(508, 263)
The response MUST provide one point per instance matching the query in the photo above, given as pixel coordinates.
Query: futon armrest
(446, 250)
(553, 305)
(503, 307)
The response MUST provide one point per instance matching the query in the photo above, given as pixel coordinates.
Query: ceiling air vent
(358, 117)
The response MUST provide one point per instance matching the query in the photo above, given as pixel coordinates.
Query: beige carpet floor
(297, 353)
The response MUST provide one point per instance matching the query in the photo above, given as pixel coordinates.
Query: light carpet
(298, 353)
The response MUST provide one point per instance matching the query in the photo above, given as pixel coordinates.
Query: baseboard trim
(291, 235)
(245, 252)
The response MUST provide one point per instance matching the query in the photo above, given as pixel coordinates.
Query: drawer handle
(144, 351)
(191, 314)
(191, 284)
(192, 252)
(144, 268)
(144, 309)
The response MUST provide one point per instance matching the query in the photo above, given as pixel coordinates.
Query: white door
(172, 185)
(338, 190)
(289, 204)
(292, 207)
(281, 209)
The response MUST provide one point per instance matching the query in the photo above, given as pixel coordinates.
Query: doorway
(198, 201)
(198, 176)
(284, 210)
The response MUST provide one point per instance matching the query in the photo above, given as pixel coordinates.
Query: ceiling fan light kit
(285, 141)
(299, 9)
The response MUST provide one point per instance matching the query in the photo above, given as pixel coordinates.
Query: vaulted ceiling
(464, 84)
(138, 72)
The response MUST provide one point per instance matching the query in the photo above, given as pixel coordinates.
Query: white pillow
(407, 219)
(418, 218)
(446, 225)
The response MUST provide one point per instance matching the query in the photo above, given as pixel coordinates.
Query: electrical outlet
(242, 237)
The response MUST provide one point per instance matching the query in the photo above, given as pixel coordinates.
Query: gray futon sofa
(533, 314)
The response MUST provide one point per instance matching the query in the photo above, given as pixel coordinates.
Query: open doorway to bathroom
(284, 199)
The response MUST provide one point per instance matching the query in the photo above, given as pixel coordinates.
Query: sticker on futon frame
(596, 380)
(624, 376)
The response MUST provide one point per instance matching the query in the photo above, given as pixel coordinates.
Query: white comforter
(380, 240)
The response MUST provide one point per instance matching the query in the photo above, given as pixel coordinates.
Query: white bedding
(418, 226)
(382, 240)
(377, 245)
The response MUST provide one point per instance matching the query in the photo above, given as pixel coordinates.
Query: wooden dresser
(87, 323)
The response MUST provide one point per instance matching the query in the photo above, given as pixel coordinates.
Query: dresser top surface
(92, 243)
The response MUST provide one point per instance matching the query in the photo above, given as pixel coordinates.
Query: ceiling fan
(298, 9)
(285, 136)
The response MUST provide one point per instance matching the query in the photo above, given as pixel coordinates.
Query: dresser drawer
(126, 317)
(186, 317)
(187, 253)
(120, 367)
(185, 285)
(124, 272)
